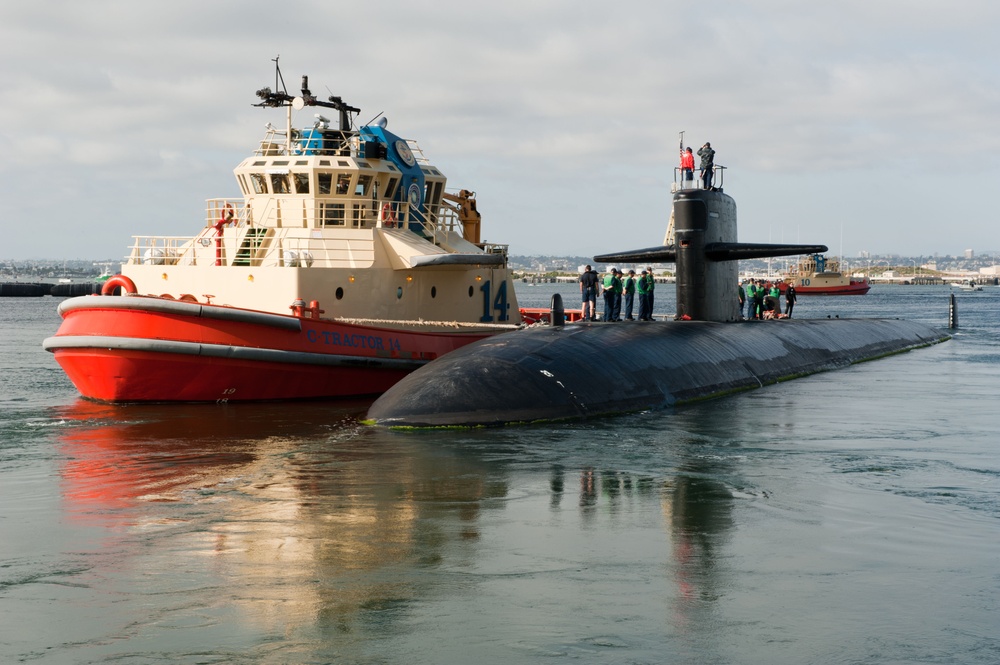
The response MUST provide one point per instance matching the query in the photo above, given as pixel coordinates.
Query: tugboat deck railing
(246, 243)
(275, 144)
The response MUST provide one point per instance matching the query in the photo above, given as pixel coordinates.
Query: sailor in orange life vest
(687, 165)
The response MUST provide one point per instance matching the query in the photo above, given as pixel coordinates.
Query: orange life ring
(388, 215)
(226, 216)
(116, 281)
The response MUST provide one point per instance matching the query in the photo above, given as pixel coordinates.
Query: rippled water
(847, 517)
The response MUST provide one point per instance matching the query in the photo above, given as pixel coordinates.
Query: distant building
(969, 254)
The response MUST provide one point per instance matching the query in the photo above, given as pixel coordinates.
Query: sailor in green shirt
(774, 295)
(612, 292)
(652, 287)
(629, 287)
(644, 288)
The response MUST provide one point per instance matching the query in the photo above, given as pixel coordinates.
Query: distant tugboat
(344, 266)
(818, 276)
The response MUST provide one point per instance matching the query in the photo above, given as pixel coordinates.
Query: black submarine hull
(582, 371)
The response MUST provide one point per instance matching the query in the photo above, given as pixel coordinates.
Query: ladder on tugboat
(252, 241)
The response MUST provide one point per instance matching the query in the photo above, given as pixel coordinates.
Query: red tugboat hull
(147, 349)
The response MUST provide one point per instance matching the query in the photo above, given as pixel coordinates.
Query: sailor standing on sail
(707, 164)
(687, 166)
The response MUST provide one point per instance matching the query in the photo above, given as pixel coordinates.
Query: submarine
(558, 372)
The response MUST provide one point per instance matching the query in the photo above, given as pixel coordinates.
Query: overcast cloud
(865, 125)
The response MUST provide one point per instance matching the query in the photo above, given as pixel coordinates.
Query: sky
(865, 125)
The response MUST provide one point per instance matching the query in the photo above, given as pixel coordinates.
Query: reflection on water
(698, 511)
(336, 540)
(247, 500)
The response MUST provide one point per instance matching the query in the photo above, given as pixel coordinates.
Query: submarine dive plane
(565, 372)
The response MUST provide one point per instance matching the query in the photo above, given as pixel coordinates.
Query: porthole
(340, 293)
(399, 293)
(434, 292)
(471, 291)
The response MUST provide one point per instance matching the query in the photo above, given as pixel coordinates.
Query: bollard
(557, 314)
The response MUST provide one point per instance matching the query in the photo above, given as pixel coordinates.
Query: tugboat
(817, 275)
(344, 266)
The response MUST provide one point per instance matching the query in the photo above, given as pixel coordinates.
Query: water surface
(847, 517)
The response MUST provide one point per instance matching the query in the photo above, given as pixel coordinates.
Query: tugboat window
(340, 293)
(325, 182)
(343, 183)
(259, 183)
(333, 214)
(390, 191)
(433, 194)
(399, 293)
(279, 183)
(471, 291)
(364, 182)
(301, 183)
(434, 292)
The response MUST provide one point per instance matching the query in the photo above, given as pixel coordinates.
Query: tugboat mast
(278, 98)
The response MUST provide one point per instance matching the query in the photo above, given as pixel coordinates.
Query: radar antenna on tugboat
(277, 98)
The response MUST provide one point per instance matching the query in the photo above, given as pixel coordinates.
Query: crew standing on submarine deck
(588, 293)
(629, 292)
(752, 312)
(652, 287)
(616, 312)
(609, 285)
(775, 295)
(758, 300)
(790, 298)
(644, 287)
